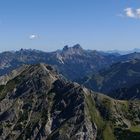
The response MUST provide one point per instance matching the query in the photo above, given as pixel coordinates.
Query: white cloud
(138, 12)
(33, 36)
(132, 13)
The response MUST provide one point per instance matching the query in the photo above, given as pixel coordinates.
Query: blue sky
(50, 24)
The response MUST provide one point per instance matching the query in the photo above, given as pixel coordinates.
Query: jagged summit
(76, 49)
(66, 48)
(76, 46)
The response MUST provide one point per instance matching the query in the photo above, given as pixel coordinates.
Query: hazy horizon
(49, 25)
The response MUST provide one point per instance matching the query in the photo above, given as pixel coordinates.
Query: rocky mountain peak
(76, 49)
(66, 48)
(39, 104)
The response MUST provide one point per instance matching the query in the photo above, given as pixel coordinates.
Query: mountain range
(121, 80)
(69, 94)
(124, 51)
(38, 103)
(73, 62)
(91, 68)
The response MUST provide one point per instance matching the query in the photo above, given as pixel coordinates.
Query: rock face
(121, 80)
(38, 104)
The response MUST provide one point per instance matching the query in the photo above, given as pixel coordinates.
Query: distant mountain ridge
(120, 81)
(72, 62)
(124, 52)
